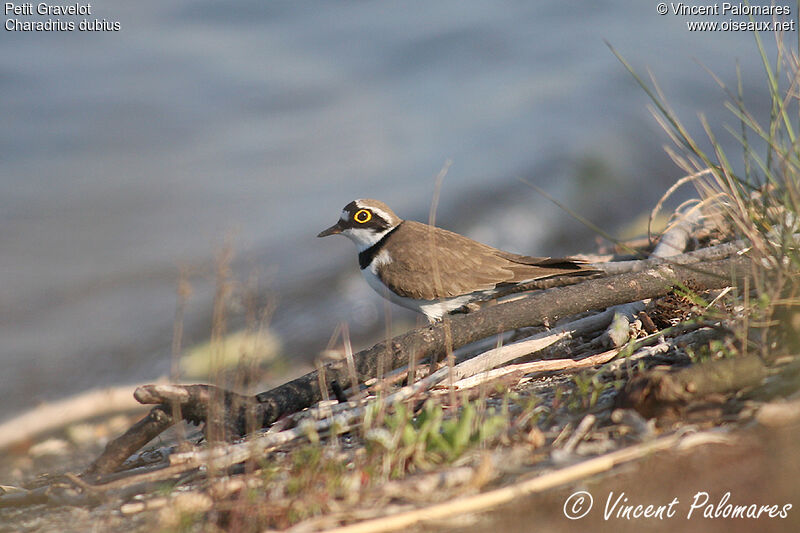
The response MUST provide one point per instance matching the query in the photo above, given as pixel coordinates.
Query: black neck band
(366, 257)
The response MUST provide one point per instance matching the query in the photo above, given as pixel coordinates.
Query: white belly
(433, 309)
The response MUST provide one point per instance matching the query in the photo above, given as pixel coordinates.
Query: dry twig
(488, 500)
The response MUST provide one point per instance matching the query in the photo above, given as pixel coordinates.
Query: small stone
(183, 505)
(779, 413)
(80, 434)
(49, 447)
(132, 508)
(193, 502)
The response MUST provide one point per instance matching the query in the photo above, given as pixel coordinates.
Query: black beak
(333, 230)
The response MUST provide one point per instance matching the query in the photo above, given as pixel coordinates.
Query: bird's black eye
(362, 216)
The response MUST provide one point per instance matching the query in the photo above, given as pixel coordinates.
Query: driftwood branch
(348, 416)
(661, 391)
(139, 434)
(535, 310)
(224, 412)
(612, 268)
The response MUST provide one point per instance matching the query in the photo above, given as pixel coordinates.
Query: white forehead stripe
(380, 212)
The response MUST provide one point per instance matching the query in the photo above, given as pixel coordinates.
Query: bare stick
(125, 445)
(712, 253)
(196, 402)
(491, 499)
(473, 377)
(673, 242)
(224, 456)
(52, 416)
(550, 365)
(498, 356)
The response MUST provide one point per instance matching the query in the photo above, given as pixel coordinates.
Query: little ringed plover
(431, 270)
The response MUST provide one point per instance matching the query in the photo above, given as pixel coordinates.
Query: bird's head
(365, 222)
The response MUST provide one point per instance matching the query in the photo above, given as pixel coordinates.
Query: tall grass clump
(753, 194)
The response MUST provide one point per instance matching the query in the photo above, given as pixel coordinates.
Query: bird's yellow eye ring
(362, 216)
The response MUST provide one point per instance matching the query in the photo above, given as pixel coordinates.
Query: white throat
(364, 238)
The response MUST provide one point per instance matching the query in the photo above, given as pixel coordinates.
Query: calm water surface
(129, 155)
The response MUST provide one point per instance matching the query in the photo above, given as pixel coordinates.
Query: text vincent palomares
(727, 8)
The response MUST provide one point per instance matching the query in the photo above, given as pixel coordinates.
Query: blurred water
(128, 154)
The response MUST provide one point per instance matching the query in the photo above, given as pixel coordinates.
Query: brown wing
(464, 265)
(531, 268)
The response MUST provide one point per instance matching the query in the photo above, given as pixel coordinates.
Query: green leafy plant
(405, 442)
